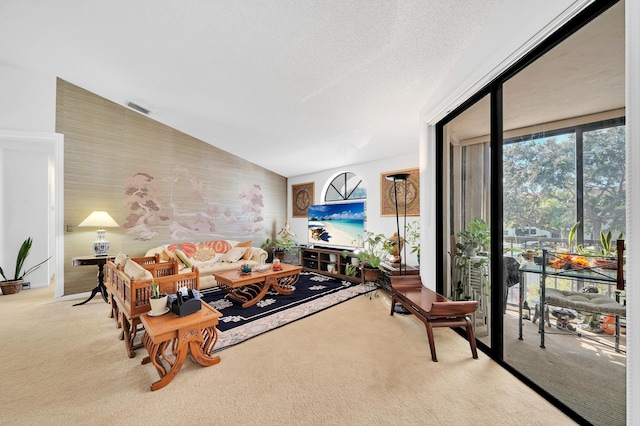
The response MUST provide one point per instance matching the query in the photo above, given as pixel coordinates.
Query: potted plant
(529, 254)
(607, 252)
(11, 286)
(285, 242)
(158, 301)
(375, 247)
(350, 269)
(476, 238)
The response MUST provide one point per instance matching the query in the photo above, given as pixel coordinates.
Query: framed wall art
(301, 198)
(387, 194)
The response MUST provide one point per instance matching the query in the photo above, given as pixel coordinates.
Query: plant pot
(279, 254)
(11, 287)
(371, 274)
(158, 305)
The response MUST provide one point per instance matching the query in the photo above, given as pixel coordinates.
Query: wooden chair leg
(432, 343)
(472, 338)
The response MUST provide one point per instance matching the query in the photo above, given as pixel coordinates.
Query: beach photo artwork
(337, 225)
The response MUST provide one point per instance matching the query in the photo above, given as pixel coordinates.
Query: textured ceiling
(583, 75)
(270, 81)
(275, 81)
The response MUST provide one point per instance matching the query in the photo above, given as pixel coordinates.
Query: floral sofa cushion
(210, 256)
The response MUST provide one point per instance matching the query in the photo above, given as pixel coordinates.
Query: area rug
(313, 293)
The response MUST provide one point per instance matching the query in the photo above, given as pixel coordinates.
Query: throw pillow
(246, 244)
(172, 256)
(121, 259)
(233, 255)
(136, 272)
(183, 257)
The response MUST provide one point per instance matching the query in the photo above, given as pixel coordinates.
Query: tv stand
(318, 260)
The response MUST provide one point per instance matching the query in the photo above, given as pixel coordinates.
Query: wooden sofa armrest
(147, 260)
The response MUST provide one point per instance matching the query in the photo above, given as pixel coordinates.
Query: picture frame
(387, 195)
(302, 196)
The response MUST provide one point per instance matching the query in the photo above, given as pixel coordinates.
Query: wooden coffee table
(194, 332)
(250, 288)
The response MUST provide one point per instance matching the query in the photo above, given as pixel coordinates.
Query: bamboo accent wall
(160, 185)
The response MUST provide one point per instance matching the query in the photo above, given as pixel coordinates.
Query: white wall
(25, 208)
(28, 100)
(370, 174)
(28, 103)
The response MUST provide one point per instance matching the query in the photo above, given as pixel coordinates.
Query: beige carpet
(352, 364)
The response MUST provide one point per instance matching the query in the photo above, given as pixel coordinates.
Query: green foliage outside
(540, 183)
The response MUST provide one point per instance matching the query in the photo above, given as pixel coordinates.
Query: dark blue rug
(313, 293)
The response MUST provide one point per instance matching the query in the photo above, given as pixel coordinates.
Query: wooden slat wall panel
(106, 144)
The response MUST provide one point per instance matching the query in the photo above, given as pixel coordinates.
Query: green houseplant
(476, 238)
(284, 242)
(13, 285)
(375, 248)
(158, 301)
(413, 237)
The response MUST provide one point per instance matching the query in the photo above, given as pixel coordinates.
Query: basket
(11, 287)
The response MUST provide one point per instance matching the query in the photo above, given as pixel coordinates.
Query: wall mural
(178, 208)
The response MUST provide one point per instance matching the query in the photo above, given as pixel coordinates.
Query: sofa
(210, 257)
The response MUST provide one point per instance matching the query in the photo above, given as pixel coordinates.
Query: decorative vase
(158, 305)
(11, 287)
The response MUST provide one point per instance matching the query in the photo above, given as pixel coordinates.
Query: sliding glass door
(468, 178)
(533, 154)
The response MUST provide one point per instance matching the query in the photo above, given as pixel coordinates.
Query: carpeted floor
(352, 364)
(313, 293)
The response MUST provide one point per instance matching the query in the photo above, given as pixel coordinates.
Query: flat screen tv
(338, 225)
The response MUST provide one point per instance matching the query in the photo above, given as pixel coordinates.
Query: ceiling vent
(138, 108)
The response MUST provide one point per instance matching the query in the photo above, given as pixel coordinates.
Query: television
(337, 225)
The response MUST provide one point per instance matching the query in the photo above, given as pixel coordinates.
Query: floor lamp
(396, 178)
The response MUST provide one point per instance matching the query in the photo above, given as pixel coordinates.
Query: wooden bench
(433, 309)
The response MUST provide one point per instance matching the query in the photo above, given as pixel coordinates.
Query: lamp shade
(100, 219)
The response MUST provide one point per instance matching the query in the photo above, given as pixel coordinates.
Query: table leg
(98, 288)
(201, 352)
(200, 342)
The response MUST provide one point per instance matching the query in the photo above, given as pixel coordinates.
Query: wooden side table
(195, 332)
(100, 261)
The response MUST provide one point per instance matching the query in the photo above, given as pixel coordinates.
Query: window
(346, 186)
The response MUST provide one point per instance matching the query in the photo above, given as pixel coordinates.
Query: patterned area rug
(313, 293)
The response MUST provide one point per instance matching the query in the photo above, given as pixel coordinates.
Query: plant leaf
(572, 234)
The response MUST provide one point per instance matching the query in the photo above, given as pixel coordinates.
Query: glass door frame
(494, 89)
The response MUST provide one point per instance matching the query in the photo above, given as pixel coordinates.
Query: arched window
(346, 186)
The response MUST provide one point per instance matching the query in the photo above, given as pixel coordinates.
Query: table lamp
(100, 219)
